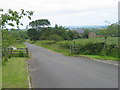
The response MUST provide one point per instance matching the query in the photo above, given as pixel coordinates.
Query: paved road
(53, 70)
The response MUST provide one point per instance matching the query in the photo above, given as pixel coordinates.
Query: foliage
(91, 46)
(10, 16)
(111, 30)
(7, 39)
(40, 22)
(5, 59)
(56, 33)
(21, 54)
(86, 33)
(33, 34)
(19, 34)
(8, 19)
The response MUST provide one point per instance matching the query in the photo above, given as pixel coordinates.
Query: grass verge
(57, 48)
(0, 76)
(100, 57)
(14, 74)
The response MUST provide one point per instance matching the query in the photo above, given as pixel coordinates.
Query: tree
(40, 23)
(8, 19)
(33, 34)
(10, 16)
(111, 30)
(86, 33)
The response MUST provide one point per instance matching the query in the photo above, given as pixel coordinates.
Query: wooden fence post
(74, 47)
(70, 49)
(11, 51)
(27, 51)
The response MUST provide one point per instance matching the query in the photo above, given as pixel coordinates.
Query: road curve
(49, 69)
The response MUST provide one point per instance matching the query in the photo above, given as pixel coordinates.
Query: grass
(110, 40)
(20, 45)
(0, 75)
(100, 57)
(66, 51)
(54, 47)
(14, 73)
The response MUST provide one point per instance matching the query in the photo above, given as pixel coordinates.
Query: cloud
(105, 14)
(67, 12)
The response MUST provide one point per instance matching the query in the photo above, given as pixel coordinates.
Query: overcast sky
(67, 12)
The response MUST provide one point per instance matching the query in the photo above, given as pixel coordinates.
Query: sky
(67, 12)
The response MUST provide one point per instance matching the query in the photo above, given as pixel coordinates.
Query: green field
(14, 73)
(61, 46)
(110, 40)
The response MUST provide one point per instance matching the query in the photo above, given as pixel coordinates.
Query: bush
(9, 56)
(112, 50)
(5, 59)
(21, 54)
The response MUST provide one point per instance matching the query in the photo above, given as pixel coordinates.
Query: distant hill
(87, 27)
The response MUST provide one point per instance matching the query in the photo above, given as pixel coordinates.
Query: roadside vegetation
(14, 73)
(86, 48)
(103, 43)
(14, 68)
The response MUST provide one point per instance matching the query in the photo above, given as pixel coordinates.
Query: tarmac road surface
(49, 69)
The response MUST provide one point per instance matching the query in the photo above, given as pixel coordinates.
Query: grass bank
(62, 47)
(100, 57)
(14, 73)
(54, 47)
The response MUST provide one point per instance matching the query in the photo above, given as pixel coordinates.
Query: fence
(16, 51)
(74, 50)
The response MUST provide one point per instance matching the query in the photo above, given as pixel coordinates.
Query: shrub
(9, 55)
(21, 54)
(5, 59)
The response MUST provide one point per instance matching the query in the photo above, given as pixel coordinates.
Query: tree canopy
(56, 33)
(8, 18)
(37, 24)
(14, 16)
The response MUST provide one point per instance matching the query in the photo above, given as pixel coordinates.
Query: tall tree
(40, 23)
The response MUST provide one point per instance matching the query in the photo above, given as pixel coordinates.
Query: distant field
(110, 40)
